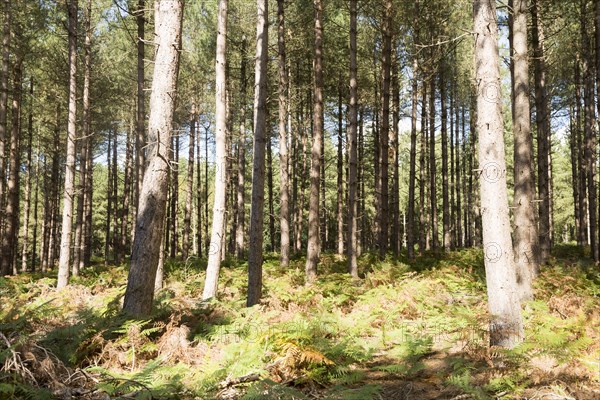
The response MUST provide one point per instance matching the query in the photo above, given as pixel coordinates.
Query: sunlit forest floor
(404, 331)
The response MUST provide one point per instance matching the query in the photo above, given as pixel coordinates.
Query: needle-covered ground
(403, 331)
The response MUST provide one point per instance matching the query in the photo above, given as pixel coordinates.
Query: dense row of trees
(122, 123)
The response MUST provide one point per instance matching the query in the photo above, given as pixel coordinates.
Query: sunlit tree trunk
(218, 221)
(140, 139)
(284, 218)
(241, 149)
(152, 203)
(69, 189)
(506, 324)
(313, 252)
(525, 228)
(340, 175)
(255, 247)
(187, 216)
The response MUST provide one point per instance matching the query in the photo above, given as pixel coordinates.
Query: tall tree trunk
(115, 192)
(444, 138)
(174, 246)
(69, 189)
(588, 128)
(386, 62)
(459, 212)
(85, 142)
(340, 175)
(152, 203)
(109, 203)
(283, 146)
(352, 247)
(506, 324)
(11, 226)
(410, 229)
(423, 172)
(582, 188)
(88, 198)
(542, 117)
(361, 185)
(34, 241)
(140, 139)
(255, 248)
(241, 149)
(4, 76)
(525, 230)
(218, 222)
(432, 168)
(198, 194)
(187, 216)
(313, 252)
(28, 168)
(270, 194)
(396, 237)
(127, 173)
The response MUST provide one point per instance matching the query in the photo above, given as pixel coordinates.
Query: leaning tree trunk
(218, 222)
(312, 257)
(149, 226)
(506, 324)
(255, 248)
(69, 189)
(353, 150)
(525, 230)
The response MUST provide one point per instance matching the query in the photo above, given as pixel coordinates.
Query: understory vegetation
(403, 331)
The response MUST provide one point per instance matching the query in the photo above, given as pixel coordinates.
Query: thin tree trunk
(28, 168)
(218, 222)
(34, 241)
(506, 324)
(198, 194)
(396, 237)
(542, 116)
(432, 168)
(140, 139)
(174, 246)
(386, 64)
(423, 243)
(283, 146)
(109, 204)
(588, 127)
(85, 142)
(410, 229)
(69, 189)
(525, 229)
(444, 138)
(255, 248)
(4, 76)
(11, 225)
(152, 203)
(187, 216)
(353, 202)
(580, 160)
(313, 252)
(241, 148)
(459, 212)
(270, 194)
(116, 243)
(129, 145)
(340, 176)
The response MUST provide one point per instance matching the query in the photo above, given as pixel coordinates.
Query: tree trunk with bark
(11, 225)
(255, 248)
(218, 222)
(28, 168)
(353, 215)
(4, 77)
(506, 324)
(542, 117)
(313, 252)
(152, 203)
(525, 229)
(69, 189)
